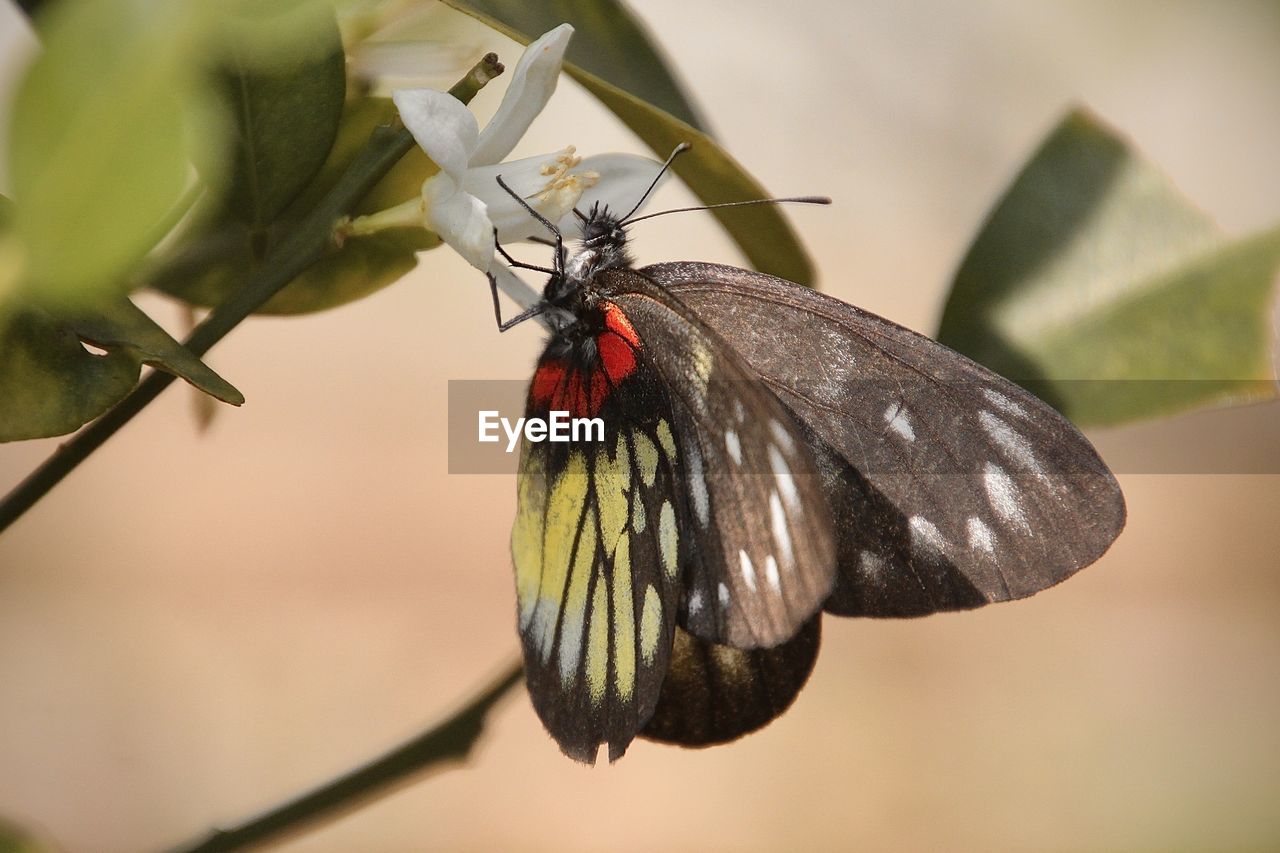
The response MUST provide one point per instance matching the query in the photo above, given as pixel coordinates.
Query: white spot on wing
(870, 565)
(724, 595)
(698, 486)
(771, 574)
(748, 570)
(542, 630)
(1012, 443)
(786, 482)
(738, 411)
(1002, 494)
(925, 537)
(781, 533)
(734, 447)
(896, 418)
(980, 536)
(571, 645)
(1004, 404)
(781, 436)
(695, 601)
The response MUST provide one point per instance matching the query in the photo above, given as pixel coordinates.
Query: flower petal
(442, 125)
(460, 219)
(623, 179)
(531, 87)
(546, 182)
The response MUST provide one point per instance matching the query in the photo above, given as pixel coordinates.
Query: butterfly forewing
(951, 486)
(596, 552)
(759, 549)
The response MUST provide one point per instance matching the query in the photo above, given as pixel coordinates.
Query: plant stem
(303, 247)
(451, 740)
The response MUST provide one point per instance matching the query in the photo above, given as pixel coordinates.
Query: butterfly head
(603, 246)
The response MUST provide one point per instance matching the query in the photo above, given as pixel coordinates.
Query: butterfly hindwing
(596, 552)
(759, 550)
(716, 693)
(951, 486)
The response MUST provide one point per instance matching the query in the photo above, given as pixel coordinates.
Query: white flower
(463, 202)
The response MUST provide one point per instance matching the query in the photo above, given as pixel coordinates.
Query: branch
(451, 740)
(306, 245)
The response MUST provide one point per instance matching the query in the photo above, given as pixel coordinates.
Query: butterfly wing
(716, 693)
(596, 553)
(757, 543)
(952, 486)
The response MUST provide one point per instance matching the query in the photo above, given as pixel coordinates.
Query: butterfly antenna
(801, 199)
(680, 149)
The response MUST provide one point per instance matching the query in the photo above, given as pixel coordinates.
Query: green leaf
(49, 383)
(217, 265)
(286, 111)
(1096, 285)
(364, 265)
(15, 840)
(121, 325)
(52, 385)
(98, 146)
(613, 58)
(110, 117)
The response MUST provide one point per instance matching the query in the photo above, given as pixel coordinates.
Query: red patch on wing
(546, 382)
(558, 387)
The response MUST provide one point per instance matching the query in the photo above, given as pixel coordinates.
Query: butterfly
(769, 453)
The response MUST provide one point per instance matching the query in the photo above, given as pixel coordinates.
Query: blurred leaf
(121, 325)
(364, 265)
(359, 119)
(1096, 285)
(220, 263)
(286, 113)
(15, 840)
(98, 152)
(612, 57)
(49, 383)
(209, 266)
(112, 113)
(11, 258)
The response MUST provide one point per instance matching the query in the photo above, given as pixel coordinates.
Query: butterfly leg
(518, 264)
(547, 223)
(528, 313)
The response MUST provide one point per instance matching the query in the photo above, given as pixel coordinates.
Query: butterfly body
(768, 453)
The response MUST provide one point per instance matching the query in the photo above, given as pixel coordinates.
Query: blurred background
(193, 627)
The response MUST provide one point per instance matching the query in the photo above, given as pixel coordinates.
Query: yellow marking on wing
(646, 457)
(526, 533)
(611, 497)
(638, 519)
(733, 664)
(598, 644)
(564, 509)
(622, 456)
(650, 624)
(701, 364)
(624, 623)
(575, 602)
(664, 438)
(668, 539)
